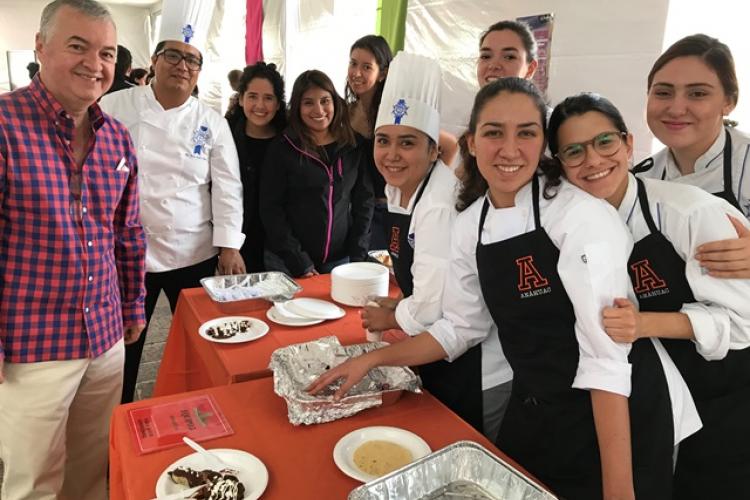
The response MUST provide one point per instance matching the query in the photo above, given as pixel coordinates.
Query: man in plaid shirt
(72, 259)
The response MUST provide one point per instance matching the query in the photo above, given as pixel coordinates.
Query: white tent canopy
(601, 46)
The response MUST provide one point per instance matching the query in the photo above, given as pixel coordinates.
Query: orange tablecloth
(299, 459)
(190, 362)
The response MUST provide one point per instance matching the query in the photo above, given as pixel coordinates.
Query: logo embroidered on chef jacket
(399, 111)
(646, 283)
(530, 280)
(188, 33)
(201, 136)
(395, 246)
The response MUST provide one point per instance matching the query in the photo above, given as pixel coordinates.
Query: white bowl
(353, 283)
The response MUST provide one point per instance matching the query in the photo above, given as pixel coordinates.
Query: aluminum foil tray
(463, 470)
(296, 366)
(273, 286)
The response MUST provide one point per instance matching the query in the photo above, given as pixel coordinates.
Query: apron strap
(485, 208)
(421, 190)
(643, 201)
(728, 163)
(643, 166)
(535, 201)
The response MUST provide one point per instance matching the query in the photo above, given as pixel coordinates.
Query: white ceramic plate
(257, 329)
(277, 317)
(343, 452)
(252, 472)
(314, 308)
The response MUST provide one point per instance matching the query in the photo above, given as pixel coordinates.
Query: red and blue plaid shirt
(72, 261)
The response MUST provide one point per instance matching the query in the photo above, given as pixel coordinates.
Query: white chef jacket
(594, 249)
(709, 168)
(189, 178)
(431, 231)
(584, 229)
(689, 217)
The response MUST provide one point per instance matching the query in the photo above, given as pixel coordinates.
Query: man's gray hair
(90, 8)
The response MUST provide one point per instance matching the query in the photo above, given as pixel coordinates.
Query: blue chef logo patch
(399, 111)
(187, 33)
(201, 136)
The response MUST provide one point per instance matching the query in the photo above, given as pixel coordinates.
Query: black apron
(727, 193)
(714, 462)
(457, 384)
(549, 426)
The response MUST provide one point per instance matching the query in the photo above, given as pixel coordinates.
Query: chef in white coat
(421, 192)
(190, 187)
(692, 87)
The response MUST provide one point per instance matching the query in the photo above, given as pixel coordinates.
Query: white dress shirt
(689, 217)
(709, 168)
(431, 230)
(189, 178)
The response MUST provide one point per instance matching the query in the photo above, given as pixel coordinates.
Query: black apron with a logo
(726, 193)
(457, 384)
(714, 462)
(549, 426)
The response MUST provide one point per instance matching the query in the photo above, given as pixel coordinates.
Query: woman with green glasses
(702, 321)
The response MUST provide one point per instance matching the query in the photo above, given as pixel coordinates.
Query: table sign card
(162, 426)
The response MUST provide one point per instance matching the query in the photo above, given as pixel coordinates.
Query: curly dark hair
(267, 71)
(473, 185)
(379, 48)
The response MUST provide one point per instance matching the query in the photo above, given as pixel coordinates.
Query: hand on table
(351, 371)
(387, 302)
(622, 322)
(131, 333)
(230, 261)
(310, 274)
(727, 258)
(378, 319)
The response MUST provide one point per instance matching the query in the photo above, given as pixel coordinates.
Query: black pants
(172, 282)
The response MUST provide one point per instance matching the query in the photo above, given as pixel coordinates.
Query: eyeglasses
(173, 57)
(605, 144)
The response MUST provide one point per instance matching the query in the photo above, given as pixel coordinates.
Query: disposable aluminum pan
(272, 286)
(296, 366)
(463, 470)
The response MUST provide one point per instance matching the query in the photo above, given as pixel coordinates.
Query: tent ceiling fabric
(133, 3)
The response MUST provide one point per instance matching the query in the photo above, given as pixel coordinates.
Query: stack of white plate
(352, 284)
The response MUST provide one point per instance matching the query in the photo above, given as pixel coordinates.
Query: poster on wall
(541, 27)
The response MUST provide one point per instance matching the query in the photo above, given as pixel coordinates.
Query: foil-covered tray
(273, 286)
(296, 366)
(463, 470)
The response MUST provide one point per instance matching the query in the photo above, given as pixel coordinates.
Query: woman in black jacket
(259, 117)
(316, 198)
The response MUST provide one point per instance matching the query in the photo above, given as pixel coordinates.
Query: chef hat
(411, 95)
(186, 21)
